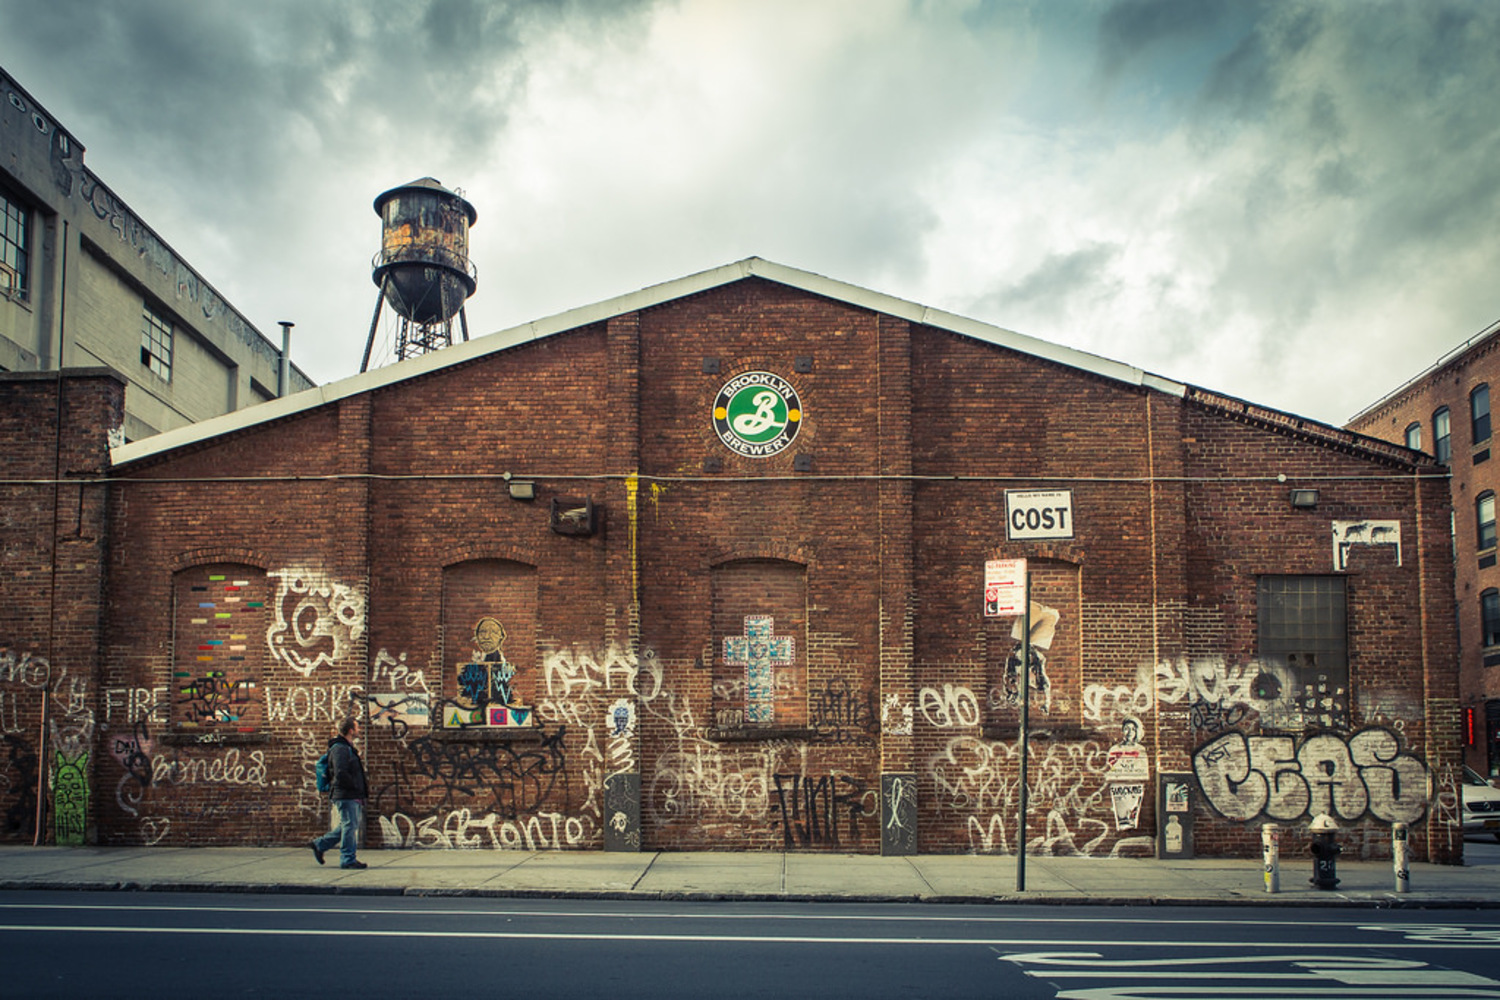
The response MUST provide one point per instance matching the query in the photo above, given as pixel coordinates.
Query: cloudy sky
(1294, 203)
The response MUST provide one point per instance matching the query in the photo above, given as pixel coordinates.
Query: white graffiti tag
(1246, 777)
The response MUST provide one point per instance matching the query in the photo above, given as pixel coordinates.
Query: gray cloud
(1245, 195)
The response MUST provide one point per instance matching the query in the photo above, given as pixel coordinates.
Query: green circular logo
(757, 414)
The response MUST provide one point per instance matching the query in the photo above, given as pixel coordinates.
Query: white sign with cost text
(1038, 514)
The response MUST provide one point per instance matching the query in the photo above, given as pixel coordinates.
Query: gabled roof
(755, 267)
(644, 299)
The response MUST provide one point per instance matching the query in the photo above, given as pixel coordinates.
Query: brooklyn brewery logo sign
(757, 414)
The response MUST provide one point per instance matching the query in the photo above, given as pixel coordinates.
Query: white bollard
(1401, 855)
(1270, 841)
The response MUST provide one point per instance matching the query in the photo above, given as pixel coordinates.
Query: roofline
(1313, 430)
(645, 298)
(1455, 355)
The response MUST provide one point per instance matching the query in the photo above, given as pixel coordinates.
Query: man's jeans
(351, 821)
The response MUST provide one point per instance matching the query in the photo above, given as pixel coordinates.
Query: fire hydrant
(1325, 853)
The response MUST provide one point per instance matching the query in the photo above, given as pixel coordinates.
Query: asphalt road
(63, 944)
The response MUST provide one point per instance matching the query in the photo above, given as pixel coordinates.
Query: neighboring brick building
(704, 567)
(1445, 411)
(85, 282)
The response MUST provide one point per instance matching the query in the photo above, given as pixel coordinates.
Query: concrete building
(84, 281)
(1445, 411)
(730, 562)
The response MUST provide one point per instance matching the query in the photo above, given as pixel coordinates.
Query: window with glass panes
(15, 245)
(156, 343)
(1414, 436)
(1489, 616)
(1479, 413)
(1303, 627)
(1484, 517)
(1442, 435)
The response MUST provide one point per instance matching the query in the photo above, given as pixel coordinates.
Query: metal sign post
(1007, 594)
(1025, 720)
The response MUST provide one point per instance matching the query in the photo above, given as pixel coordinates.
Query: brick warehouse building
(703, 567)
(1445, 411)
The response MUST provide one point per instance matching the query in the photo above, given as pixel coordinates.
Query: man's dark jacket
(348, 771)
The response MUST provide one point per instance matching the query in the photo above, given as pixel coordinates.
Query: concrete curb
(1389, 901)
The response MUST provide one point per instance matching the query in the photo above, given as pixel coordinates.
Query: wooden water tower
(423, 269)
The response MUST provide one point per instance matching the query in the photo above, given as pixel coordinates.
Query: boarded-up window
(489, 645)
(220, 648)
(760, 644)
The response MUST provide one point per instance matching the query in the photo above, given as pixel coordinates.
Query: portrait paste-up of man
(485, 697)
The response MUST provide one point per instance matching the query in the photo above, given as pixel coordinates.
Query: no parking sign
(1004, 588)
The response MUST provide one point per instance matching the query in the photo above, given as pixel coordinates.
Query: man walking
(348, 792)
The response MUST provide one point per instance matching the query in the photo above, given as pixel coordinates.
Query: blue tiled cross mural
(758, 651)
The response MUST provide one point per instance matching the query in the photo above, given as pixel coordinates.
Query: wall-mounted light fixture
(1304, 498)
(520, 489)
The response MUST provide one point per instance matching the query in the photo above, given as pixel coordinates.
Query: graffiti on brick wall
(18, 779)
(815, 811)
(1245, 778)
(1447, 802)
(136, 704)
(895, 715)
(132, 751)
(70, 796)
(979, 781)
(949, 706)
(230, 767)
(25, 679)
(1217, 694)
(312, 703)
(463, 828)
(599, 692)
(316, 620)
(399, 696)
(514, 778)
(215, 697)
(732, 690)
(699, 780)
(576, 673)
(840, 713)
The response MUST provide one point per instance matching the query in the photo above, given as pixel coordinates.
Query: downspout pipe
(284, 377)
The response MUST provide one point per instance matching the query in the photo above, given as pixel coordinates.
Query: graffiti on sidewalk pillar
(622, 811)
(898, 814)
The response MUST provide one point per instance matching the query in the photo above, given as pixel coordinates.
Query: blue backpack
(324, 774)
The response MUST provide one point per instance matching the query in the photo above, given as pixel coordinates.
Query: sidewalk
(760, 876)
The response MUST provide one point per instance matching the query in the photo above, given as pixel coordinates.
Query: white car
(1481, 804)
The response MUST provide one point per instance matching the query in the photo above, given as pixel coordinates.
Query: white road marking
(697, 938)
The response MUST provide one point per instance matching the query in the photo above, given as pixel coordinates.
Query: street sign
(1031, 514)
(1004, 588)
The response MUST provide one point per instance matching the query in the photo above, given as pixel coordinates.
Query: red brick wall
(1475, 470)
(865, 541)
(54, 431)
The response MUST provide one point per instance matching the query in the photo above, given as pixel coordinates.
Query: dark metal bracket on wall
(573, 516)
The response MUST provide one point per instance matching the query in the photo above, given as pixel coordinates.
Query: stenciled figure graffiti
(1043, 628)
